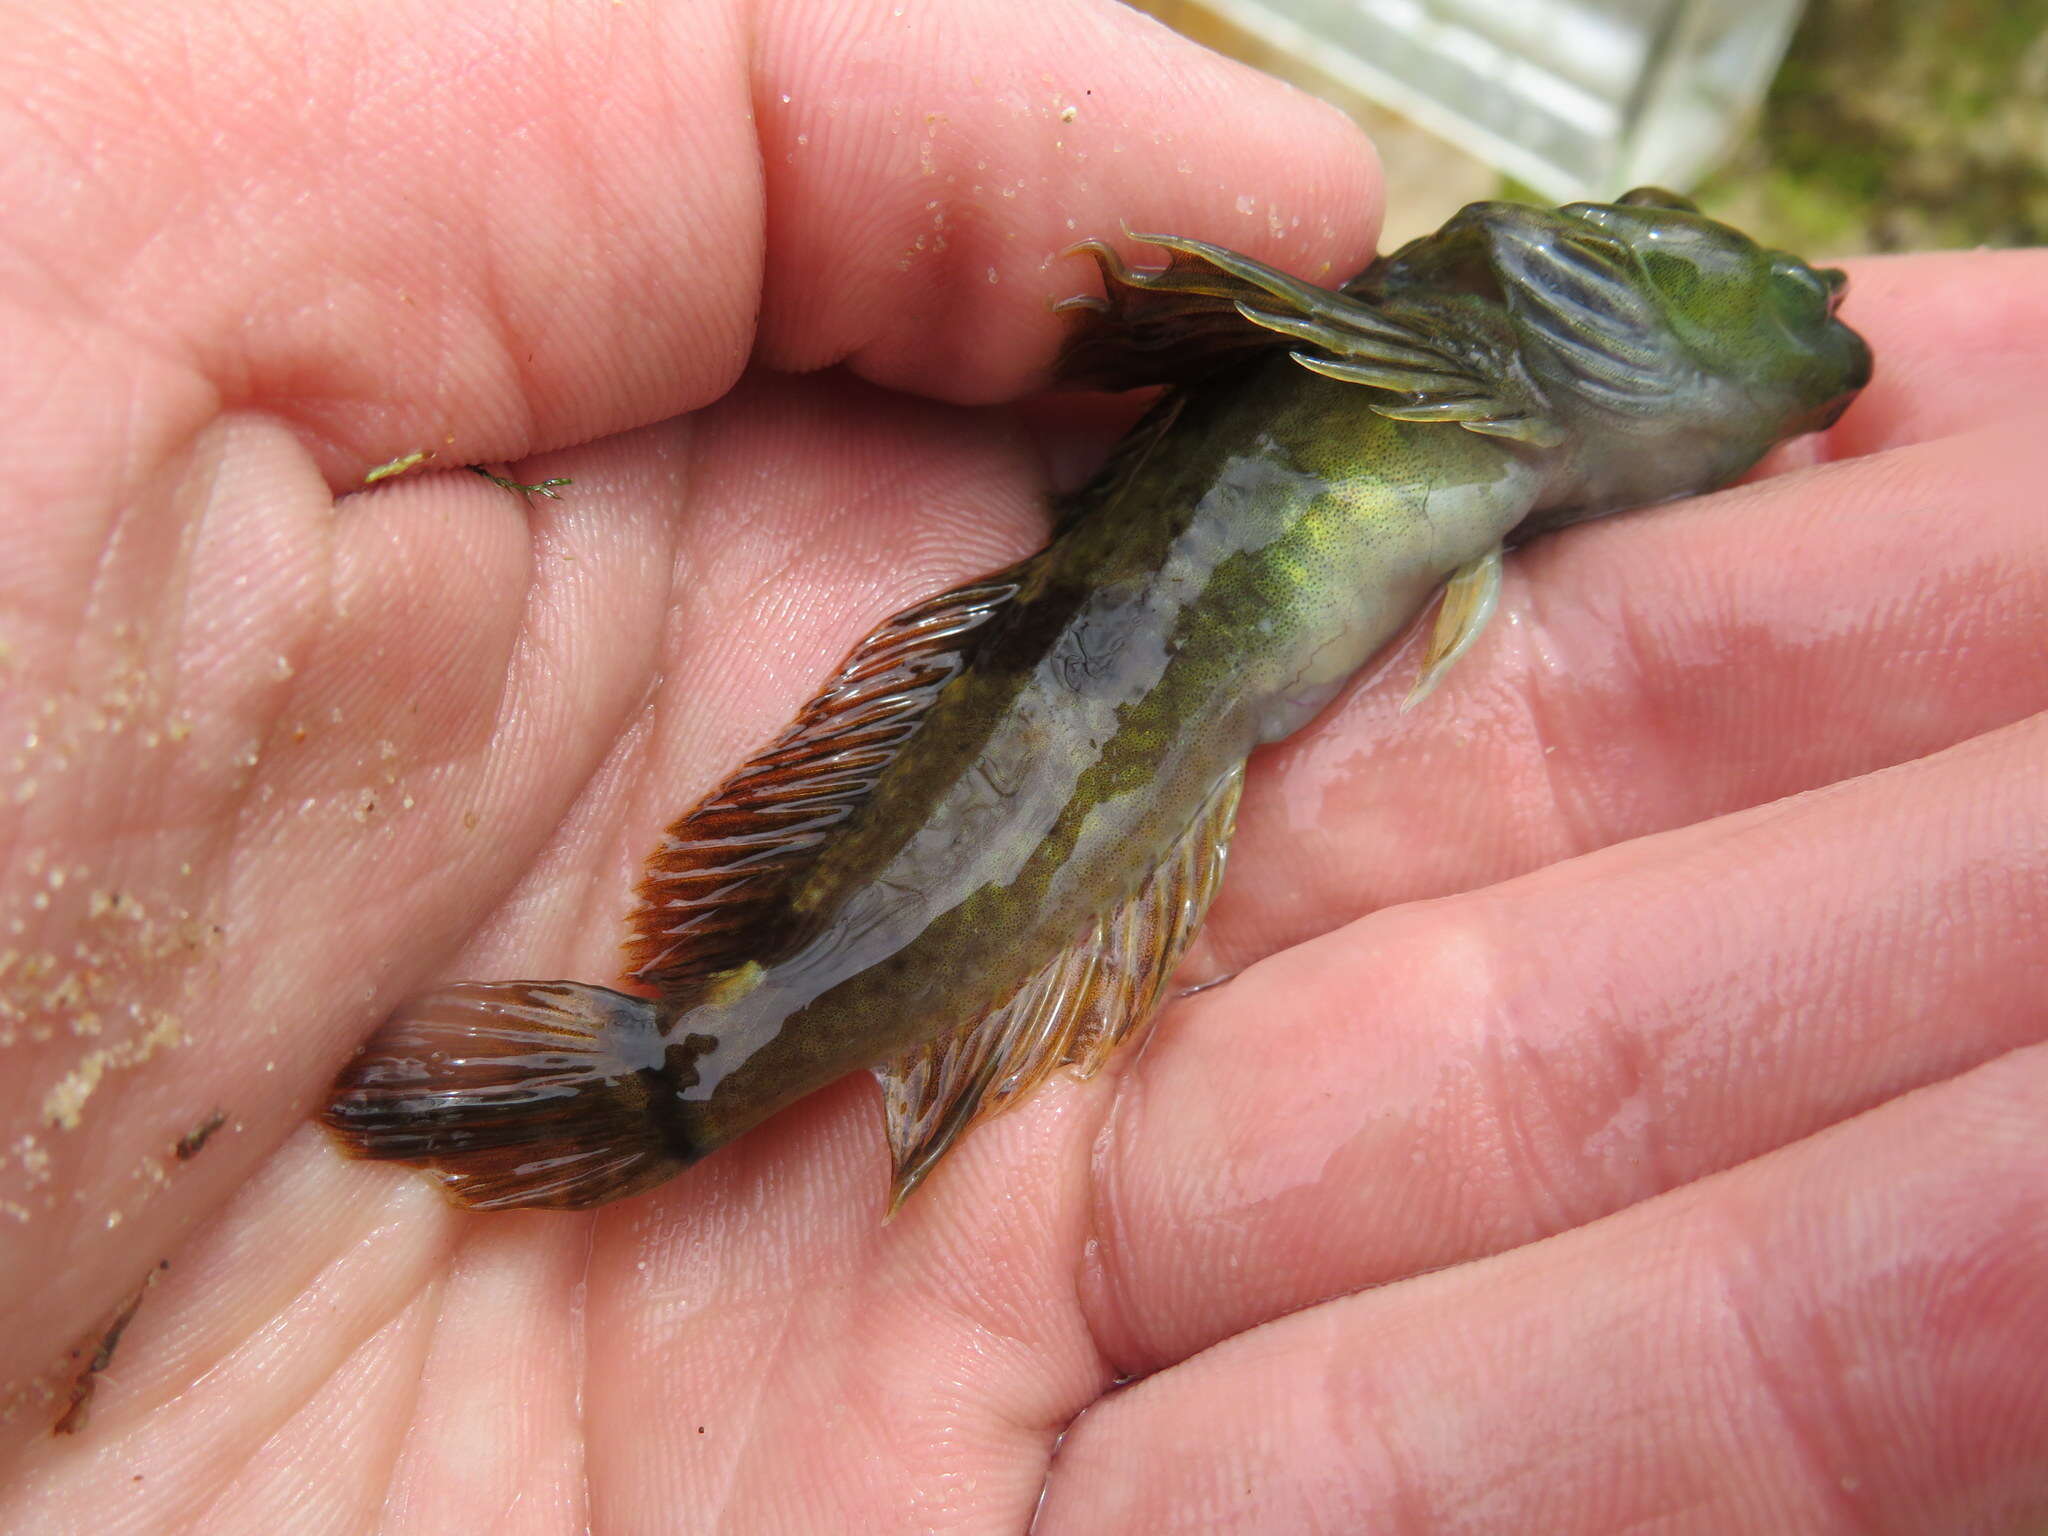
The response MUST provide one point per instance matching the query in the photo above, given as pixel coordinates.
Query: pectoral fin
(1470, 597)
(1097, 993)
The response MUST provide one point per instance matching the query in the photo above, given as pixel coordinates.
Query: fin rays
(513, 1093)
(1450, 359)
(1469, 599)
(1079, 1007)
(722, 874)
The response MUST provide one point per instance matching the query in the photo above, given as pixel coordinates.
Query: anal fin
(1074, 1011)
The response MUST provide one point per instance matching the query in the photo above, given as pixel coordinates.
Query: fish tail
(517, 1093)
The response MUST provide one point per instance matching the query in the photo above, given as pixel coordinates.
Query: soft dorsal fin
(720, 879)
(1091, 997)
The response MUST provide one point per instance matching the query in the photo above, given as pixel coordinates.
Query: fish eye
(1818, 290)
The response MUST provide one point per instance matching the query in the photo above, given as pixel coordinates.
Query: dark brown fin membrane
(1093, 996)
(1171, 325)
(515, 1093)
(716, 891)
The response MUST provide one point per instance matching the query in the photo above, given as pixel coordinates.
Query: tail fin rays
(516, 1093)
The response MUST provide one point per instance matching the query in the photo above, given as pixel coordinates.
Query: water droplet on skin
(1246, 203)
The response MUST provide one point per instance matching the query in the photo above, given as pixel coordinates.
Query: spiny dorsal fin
(1098, 992)
(721, 876)
(1443, 358)
(1171, 325)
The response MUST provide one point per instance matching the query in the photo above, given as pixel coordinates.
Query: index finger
(488, 233)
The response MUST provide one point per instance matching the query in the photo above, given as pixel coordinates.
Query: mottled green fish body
(977, 855)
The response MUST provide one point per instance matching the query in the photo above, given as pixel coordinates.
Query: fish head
(1671, 350)
(1763, 319)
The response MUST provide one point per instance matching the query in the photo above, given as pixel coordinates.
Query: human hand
(326, 754)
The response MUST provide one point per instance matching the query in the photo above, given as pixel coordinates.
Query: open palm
(1554, 957)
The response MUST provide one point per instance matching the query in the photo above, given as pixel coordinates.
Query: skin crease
(1716, 1111)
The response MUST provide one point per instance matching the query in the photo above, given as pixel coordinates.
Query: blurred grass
(1891, 126)
(1899, 126)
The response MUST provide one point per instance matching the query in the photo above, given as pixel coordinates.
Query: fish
(977, 855)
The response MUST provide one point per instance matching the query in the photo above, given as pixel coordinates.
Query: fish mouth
(1860, 366)
(1855, 375)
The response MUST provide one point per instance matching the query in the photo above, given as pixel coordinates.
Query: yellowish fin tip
(1469, 599)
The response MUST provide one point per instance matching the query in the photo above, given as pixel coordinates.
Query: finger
(1960, 338)
(1444, 1081)
(479, 234)
(1843, 1336)
(1662, 669)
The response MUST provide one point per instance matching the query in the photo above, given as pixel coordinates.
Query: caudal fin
(515, 1093)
